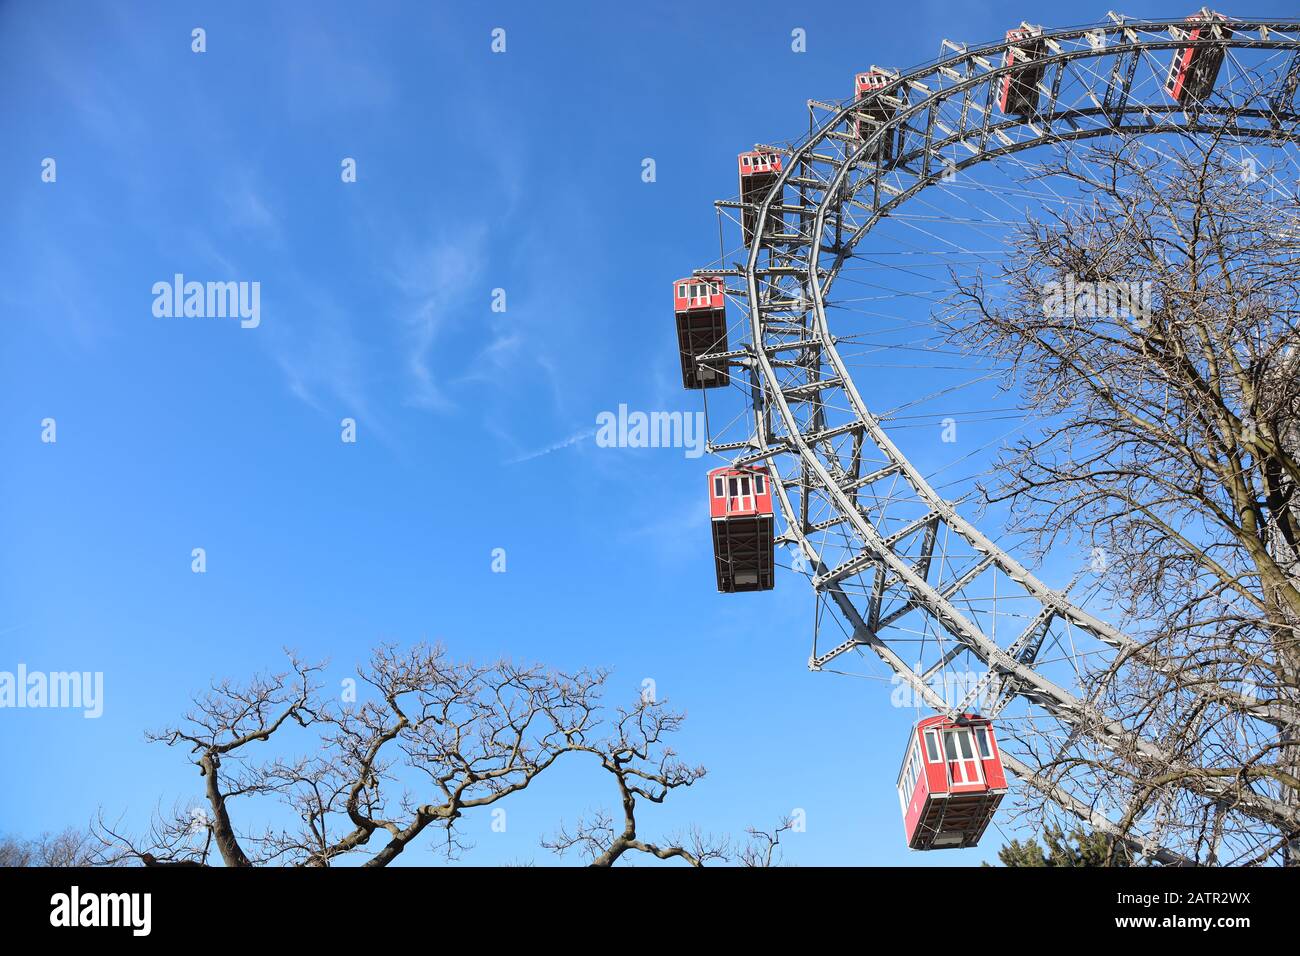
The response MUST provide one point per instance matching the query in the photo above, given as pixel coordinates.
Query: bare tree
(643, 768)
(1167, 381)
(764, 847)
(435, 739)
(70, 847)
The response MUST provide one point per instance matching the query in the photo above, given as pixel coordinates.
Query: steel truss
(902, 554)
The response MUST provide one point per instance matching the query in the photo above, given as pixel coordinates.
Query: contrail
(571, 440)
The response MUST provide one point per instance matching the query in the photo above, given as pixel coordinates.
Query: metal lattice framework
(904, 574)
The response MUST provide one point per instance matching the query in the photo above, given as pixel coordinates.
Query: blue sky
(476, 171)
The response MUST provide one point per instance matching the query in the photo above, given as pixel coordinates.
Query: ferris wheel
(824, 379)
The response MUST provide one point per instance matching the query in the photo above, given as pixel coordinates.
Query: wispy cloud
(326, 73)
(557, 446)
(248, 210)
(674, 528)
(435, 280)
(422, 329)
(322, 360)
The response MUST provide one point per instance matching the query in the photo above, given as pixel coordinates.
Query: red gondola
(1194, 70)
(700, 307)
(1018, 95)
(740, 504)
(875, 111)
(759, 171)
(951, 782)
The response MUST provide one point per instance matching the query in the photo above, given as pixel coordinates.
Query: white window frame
(911, 773)
(746, 496)
(960, 733)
